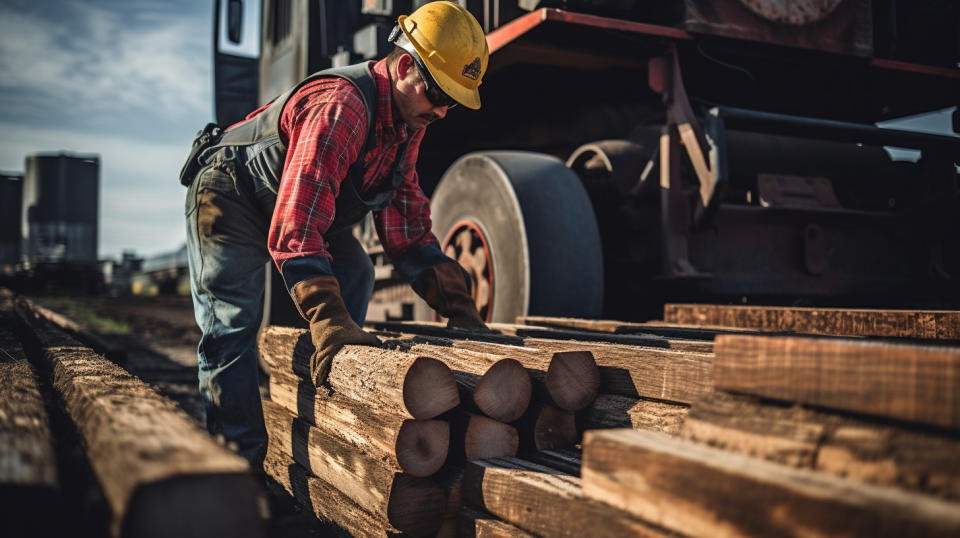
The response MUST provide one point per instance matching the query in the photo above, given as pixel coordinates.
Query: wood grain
(417, 447)
(651, 475)
(419, 387)
(544, 501)
(932, 324)
(907, 382)
(156, 469)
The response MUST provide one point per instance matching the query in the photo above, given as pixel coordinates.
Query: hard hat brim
(468, 97)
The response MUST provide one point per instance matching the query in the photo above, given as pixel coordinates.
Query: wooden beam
(157, 470)
(702, 491)
(478, 437)
(900, 381)
(323, 500)
(842, 445)
(28, 464)
(476, 524)
(417, 447)
(543, 501)
(418, 387)
(611, 411)
(647, 372)
(680, 336)
(360, 471)
(545, 427)
(932, 324)
(564, 378)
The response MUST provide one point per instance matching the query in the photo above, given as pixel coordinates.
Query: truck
(631, 152)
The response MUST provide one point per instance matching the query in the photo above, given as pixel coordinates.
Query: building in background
(59, 221)
(60, 208)
(11, 201)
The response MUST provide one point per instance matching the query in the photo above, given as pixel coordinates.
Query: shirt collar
(385, 112)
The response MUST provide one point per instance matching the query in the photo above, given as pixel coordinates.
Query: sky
(129, 80)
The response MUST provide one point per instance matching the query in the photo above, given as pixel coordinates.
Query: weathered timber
(646, 372)
(476, 524)
(702, 491)
(900, 381)
(611, 411)
(159, 473)
(682, 337)
(843, 445)
(933, 324)
(28, 465)
(320, 498)
(544, 501)
(452, 479)
(417, 447)
(360, 471)
(565, 378)
(544, 427)
(477, 437)
(494, 385)
(86, 337)
(695, 341)
(565, 460)
(419, 387)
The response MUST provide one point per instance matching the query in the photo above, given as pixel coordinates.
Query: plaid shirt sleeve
(325, 127)
(405, 222)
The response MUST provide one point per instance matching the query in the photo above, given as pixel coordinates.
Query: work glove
(444, 288)
(331, 327)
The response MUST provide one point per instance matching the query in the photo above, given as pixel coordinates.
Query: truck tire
(522, 225)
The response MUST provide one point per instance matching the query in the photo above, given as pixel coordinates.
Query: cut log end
(554, 429)
(503, 393)
(416, 505)
(488, 438)
(422, 446)
(572, 380)
(429, 389)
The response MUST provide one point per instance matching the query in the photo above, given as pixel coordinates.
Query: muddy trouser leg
(226, 251)
(354, 272)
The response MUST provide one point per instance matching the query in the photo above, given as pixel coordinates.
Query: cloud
(101, 65)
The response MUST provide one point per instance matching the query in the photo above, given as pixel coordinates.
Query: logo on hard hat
(472, 70)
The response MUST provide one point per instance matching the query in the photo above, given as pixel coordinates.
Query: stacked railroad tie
(768, 435)
(382, 449)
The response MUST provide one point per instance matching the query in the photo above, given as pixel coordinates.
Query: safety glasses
(432, 90)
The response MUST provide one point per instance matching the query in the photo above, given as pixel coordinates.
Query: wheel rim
(467, 244)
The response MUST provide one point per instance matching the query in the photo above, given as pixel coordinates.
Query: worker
(291, 180)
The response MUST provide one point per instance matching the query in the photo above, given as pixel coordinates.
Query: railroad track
(754, 421)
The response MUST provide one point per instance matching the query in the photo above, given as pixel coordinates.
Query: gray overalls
(233, 181)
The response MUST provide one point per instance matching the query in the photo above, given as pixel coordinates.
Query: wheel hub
(467, 245)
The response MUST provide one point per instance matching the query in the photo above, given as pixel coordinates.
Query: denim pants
(227, 225)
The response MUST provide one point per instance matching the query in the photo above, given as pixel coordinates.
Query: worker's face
(410, 96)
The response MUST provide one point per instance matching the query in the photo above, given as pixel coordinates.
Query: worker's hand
(331, 326)
(444, 288)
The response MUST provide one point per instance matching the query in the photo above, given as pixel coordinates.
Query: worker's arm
(325, 126)
(405, 231)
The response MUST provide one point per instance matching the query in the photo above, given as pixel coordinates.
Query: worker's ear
(405, 66)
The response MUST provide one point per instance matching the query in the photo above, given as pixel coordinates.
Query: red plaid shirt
(324, 125)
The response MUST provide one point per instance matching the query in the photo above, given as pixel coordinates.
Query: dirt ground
(158, 338)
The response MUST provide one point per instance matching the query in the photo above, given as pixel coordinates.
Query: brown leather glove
(445, 290)
(331, 327)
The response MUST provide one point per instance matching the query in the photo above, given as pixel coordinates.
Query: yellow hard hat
(450, 43)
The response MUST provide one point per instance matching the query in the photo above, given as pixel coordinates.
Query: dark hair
(394, 57)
